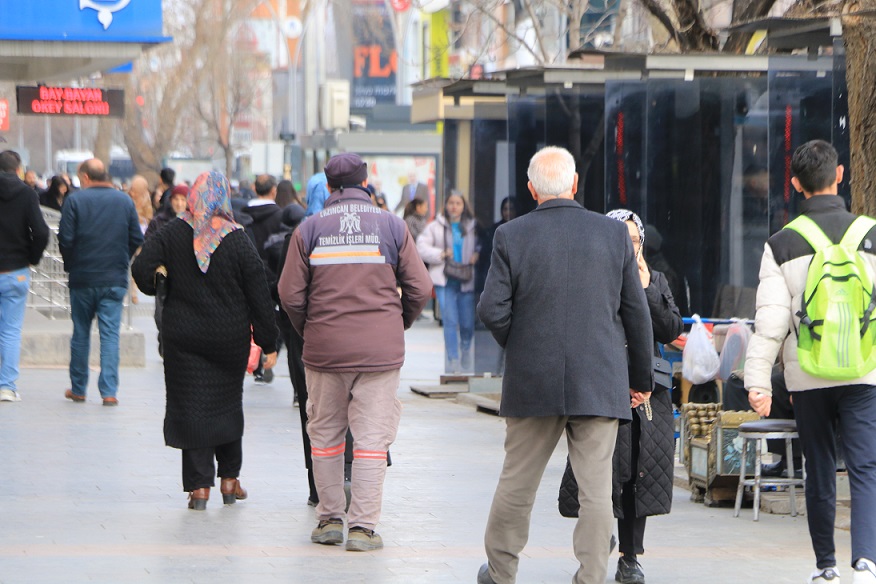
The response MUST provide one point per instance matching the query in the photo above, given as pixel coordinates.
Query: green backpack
(836, 340)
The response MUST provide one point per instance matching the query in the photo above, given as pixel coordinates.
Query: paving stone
(91, 494)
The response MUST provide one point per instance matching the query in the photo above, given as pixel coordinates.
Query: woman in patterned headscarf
(217, 298)
(645, 450)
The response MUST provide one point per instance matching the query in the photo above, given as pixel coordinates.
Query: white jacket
(783, 272)
(436, 238)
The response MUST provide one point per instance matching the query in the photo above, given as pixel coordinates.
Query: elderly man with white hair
(564, 299)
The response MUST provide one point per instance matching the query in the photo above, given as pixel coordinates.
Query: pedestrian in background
(564, 299)
(823, 408)
(451, 239)
(167, 177)
(287, 195)
(415, 217)
(339, 288)
(317, 193)
(139, 193)
(98, 234)
(23, 238)
(217, 300)
(54, 196)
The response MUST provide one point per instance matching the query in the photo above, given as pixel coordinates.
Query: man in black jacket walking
(267, 220)
(564, 299)
(23, 237)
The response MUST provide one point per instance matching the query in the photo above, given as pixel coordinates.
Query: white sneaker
(827, 575)
(865, 572)
(9, 395)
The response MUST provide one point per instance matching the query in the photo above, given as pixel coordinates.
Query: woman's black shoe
(629, 571)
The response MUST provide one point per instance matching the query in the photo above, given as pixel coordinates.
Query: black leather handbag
(662, 373)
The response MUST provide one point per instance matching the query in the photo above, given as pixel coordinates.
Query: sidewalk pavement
(91, 494)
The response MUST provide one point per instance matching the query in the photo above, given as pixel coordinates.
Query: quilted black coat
(654, 467)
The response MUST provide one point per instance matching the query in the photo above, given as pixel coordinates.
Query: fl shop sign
(71, 101)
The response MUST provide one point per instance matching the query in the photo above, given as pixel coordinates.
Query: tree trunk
(859, 34)
(103, 140)
(229, 160)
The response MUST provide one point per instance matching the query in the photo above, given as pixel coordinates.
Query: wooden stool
(767, 430)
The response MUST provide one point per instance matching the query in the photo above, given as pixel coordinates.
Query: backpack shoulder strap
(857, 231)
(811, 232)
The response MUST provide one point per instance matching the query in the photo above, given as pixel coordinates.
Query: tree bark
(103, 140)
(859, 34)
(229, 160)
(737, 42)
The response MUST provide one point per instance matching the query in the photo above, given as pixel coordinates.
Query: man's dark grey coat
(563, 297)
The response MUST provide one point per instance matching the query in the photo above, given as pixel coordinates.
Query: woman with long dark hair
(54, 196)
(450, 246)
(286, 194)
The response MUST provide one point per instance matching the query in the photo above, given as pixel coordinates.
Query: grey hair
(551, 172)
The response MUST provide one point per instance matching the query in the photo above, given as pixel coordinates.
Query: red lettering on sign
(360, 56)
(4, 115)
(70, 101)
(370, 55)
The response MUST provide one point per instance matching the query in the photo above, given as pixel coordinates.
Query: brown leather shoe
(74, 397)
(110, 401)
(232, 491)
(198, 499)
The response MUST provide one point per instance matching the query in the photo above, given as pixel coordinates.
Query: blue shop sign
(118, 21)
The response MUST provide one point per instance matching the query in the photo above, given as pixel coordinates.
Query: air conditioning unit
(334, 111)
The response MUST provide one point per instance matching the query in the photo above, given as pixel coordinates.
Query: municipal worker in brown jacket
(340, 288)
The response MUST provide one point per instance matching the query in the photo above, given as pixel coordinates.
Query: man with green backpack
(816, 297)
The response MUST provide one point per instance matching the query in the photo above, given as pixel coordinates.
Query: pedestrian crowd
(566, 293)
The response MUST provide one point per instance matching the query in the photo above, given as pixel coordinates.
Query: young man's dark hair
(814, 164)
(168, 175)
(263, 184)
(9, 161)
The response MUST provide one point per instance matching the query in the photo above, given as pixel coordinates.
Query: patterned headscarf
(209, 214)
(625, 215)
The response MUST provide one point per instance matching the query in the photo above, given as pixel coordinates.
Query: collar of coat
(553, 203)
(821, 203)
(353, 193)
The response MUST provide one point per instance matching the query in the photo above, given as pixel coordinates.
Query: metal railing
(49, 292)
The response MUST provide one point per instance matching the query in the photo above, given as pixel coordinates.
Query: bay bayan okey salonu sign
(71, 101)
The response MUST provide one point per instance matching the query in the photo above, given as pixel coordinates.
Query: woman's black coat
(654, 471)
(206, 327)
(656, 448)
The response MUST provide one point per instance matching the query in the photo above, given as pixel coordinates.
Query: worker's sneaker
(865, 572)
(360, 539)
(9, 395)
(825, 576)
(329, 532)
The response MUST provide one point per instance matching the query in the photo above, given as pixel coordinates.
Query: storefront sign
(71, 101)
(4, 115)
(375, 59)
(120, 21)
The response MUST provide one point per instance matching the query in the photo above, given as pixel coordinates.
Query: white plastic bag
(699, 361)
(733, 351)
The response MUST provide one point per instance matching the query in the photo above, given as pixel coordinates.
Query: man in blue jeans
(23, 237)
(98, 235)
